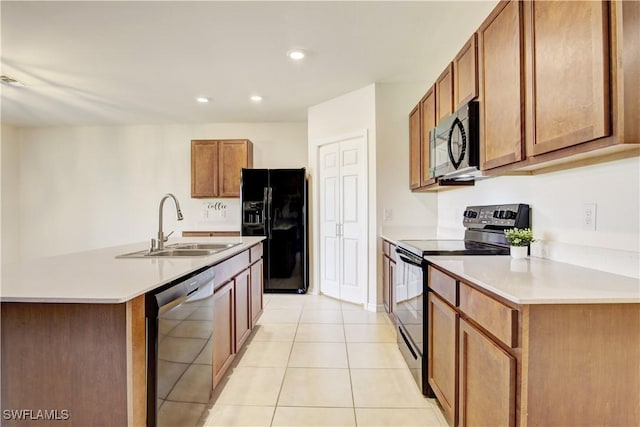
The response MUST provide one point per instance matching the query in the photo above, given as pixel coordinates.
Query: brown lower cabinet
(487, 381)
(443, 354)
(236, 304)
(492, 362)
(388, 276)
(256, 290)
(242, 286)
(223, 340)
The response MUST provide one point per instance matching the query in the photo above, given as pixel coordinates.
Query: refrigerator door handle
(265, 210)
(269, 208)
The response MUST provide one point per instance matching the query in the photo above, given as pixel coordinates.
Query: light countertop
(395, 234)
(541, 281)
(97, 276)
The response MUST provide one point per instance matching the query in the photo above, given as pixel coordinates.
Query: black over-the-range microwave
(454, 146)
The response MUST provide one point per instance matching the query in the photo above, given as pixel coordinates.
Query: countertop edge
(552, 300)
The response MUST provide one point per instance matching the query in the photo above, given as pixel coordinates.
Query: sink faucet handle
(167, 236)
(153, 245)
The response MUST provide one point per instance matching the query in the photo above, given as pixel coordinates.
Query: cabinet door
(242, 307)
(487, 381)
(223, 337)
(234, 155)
(414, 148)
(386, 282)
(428, 108)
(444, 94)
(443, 356)
(204, 167)
(501, 87)
(625, 33)
(392, 278)
(570, 73)
(465, 73)
(256, 291)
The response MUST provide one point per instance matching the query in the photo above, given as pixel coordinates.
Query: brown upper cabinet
(414, 148)
(501, 86)
(428, 112)
(422, 119)
(444, 94)
(465, 73)
(568, 73)
(625, 75)
(551, 95)
(216, 166)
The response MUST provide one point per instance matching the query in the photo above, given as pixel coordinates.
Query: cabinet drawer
(498, 319)
(230, 267)
(443, 285)
(389, 249)
(386, 247)
(256, 253)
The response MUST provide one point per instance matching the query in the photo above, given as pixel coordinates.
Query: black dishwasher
(179, 353)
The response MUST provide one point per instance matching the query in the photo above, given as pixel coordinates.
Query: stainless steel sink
(168, 253)
(211, 246)
(182, 250)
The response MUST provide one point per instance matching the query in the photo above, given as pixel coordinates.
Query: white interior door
(329, 220)
(343, 224)
(353, 221)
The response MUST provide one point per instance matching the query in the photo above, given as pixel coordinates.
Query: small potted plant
(519, 239)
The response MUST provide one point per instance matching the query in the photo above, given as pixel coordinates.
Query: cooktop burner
(452, 247)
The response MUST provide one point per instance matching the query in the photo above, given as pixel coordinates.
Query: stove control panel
(497, 216)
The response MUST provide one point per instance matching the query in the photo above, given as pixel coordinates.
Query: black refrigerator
(274, 204)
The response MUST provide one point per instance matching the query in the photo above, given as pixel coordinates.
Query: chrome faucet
(159, 243)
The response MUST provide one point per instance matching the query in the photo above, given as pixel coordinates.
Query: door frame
(363, 137)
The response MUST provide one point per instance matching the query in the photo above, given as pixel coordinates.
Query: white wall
(413, 215)
(346, 114)
(557, 201)
(9, 194)
(89, 187)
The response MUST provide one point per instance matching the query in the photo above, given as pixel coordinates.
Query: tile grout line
(286, 368)
(353, 400)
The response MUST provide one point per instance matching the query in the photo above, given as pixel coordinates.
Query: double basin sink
(182, 250)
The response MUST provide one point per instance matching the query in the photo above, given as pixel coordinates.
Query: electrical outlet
(387, 214)
(589, 216)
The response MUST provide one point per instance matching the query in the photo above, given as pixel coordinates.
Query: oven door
(409, 308)
(409, 289)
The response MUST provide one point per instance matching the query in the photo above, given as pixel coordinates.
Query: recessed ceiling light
(202, 99)
(10, 81)
(256, 98)
(295, 54)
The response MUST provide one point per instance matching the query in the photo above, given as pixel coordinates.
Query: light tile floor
(316, 361)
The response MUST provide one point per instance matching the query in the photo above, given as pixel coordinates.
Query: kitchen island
(74, 335)
(532, 342)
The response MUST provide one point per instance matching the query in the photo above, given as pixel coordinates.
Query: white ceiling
(121, 62)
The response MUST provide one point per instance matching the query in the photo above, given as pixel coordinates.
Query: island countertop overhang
(98, 277)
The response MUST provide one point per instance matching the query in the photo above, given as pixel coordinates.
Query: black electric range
(484, 235)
